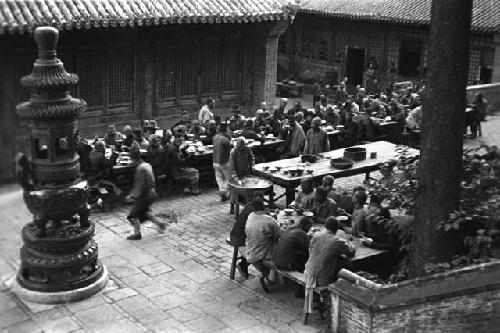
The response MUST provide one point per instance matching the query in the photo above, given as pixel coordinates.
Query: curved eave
(153, 21)
(388, 19)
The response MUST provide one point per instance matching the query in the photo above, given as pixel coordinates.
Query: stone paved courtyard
(175, 282)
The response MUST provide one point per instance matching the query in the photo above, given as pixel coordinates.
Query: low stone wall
(463, 300)
(490, 91)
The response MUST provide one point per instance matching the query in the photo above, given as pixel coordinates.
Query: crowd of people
(258, 236)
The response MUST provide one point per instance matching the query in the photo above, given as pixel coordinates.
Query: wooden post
(442, 130)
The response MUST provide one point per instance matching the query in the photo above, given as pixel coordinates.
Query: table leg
(290, 195)
(233, 263)
(271, 198)
(236, 210)
(367, 178)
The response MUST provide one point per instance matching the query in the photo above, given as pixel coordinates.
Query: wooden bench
(300, 279)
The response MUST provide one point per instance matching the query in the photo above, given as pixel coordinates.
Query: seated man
(375, 229)
(358, 224)
(248, 132)
(128, 136)
(112, 135)
(185, 120)
(328, 185)
(139, 141)
(295, 139)
(305, 197)
(156, 156)
(322, 266)
(292, 251)
(323, 207)
(414, 119)
(100, 164)
(237, 237)
(83, 150)
(262, 233)
(346, 203)
(177, 168)
(196, 129)
(258, 123)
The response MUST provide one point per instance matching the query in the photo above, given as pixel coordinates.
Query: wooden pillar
(144, 74)
(442, 130)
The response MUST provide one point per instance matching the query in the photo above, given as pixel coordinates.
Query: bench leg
(233, 263)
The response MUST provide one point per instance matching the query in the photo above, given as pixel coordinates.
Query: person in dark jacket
(222, 149)
(241, 162)
(292, 251)
(237, 236)
(143, 193)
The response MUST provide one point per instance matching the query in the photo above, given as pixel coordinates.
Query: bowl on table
(309, 171)
(249, 141)
(273, 169)
(296, 172)
(341, 163)
(209, 146)
(308, 214)
(278, 167)
(309, 158)
(288, 211)
(265, 167)
(340, 127)
(355, 153)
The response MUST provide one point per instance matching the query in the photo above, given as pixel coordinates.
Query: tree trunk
(442, 130)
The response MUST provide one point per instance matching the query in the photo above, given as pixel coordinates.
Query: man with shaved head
(316, 139)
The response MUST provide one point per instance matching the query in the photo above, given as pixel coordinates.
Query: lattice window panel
(474, 63)
(376, 46)
(308, 50)
(90, 70)
(323, 49)
(120, 77)
(210, 67)
(166, 75)
(393, 51)
(24, 66)
(489, 57)
(189, 71)
(231, 68)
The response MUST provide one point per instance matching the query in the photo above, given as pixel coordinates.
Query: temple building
(333, 39)
(142, 59)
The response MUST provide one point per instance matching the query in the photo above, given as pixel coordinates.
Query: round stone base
(61, 296)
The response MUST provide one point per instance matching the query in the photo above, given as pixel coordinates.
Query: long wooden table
(362, 251)
(385, 151)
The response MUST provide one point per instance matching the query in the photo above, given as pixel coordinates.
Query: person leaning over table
(185, 120)
(305, 197)
(196, 129)
(222, 150)
(259, 124)
(292, 251)
(139, 141)
(237, 236)
(241, 162)
(322, 267)
(323, 207)
(332, 115)
(210, 133)
(100, 164)
(316, 139)
(248, 132)
(349, 134)
(262, 233)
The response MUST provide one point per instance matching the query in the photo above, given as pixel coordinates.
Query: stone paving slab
(174, 282)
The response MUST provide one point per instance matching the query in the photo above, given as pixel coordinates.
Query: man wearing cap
(151, 128)
(222, 149)
(206, 112)
(316, 139)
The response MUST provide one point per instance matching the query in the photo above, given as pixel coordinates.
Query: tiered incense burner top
(52, 114)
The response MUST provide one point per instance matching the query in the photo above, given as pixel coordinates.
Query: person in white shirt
(414, 119)
(206, 113)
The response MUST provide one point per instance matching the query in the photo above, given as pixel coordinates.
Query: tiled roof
(485, 15)
(25, 15)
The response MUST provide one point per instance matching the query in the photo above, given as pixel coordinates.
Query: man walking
(144, 194)
(222, 149)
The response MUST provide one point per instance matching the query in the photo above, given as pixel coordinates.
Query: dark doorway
(355, 65)
(409, 57)
(485, 75)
